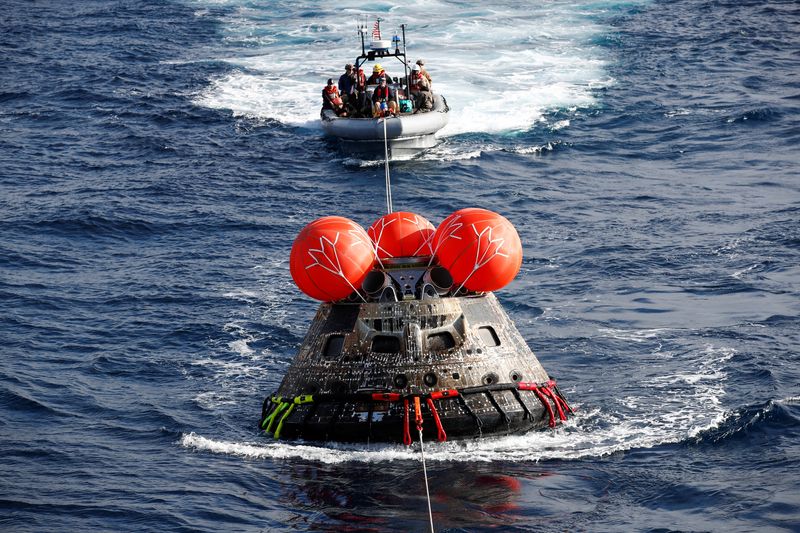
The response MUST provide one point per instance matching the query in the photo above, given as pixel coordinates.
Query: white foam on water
(230, 369)
(635, 335)
(213, 400)
(241, 294)
(500, 68)
(240, 346)
(739, 274)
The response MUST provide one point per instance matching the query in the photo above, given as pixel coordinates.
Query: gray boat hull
(406, 134)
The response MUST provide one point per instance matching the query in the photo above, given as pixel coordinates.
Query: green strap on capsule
(284, 417)
(285, 407)
(298, 400)
(273, 399)
(267, 423)
(305, 398)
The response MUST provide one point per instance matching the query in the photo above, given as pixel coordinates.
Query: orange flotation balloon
(330, 258)
(401, 234)
(479, 248)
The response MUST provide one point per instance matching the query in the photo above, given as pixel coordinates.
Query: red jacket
(330, 97)
(361, 81)
(381, 93)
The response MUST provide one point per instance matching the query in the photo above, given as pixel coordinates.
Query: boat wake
(530, 66)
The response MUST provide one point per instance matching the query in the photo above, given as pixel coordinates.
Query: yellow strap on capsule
(286, 407)
(284, 417)
(273, 399)
(271, 418)
(298, 400)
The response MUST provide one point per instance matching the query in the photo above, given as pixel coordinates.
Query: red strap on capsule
(386, 396)
(406, 422)
(439, 394)
(560, 399)
(549, 392)
(546, 403)
(442, 436)
(417, 413)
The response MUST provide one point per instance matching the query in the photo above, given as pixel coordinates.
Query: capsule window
(430, 379)
(334, 346)
(490, 379)
(385, 344)
(488, 336)
(400, 381)
(439, 342)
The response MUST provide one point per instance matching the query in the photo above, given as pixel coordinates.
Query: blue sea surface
(157, 159)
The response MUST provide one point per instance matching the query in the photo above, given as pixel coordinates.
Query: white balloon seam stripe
(376, 241)
(336, 266)
(480, 257)
(416, 221)
(452, 226)
(357, 233)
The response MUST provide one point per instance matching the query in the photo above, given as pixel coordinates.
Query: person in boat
(347, 88)
(332, 100)
(420, 90)
(361, 81)
(383, 101)
(377, 74)
(361, 103)
(421, 63)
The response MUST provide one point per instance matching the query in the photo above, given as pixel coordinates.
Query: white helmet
(414, 68)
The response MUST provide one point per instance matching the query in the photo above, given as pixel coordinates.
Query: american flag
(376, 30)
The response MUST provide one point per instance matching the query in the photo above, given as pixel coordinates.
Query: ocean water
(158, 158)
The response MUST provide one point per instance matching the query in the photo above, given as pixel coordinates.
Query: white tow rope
(418, 418)
(425, 473)
(386, 159)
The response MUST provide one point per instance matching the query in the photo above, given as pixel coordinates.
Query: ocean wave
(22, 402)
(635, 335)
(752, 422)
(765, 114)
(97, 225)
(8, 96)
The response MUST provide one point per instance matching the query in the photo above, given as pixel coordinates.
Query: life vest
(417, 83)
(381, 93)
(333, 94)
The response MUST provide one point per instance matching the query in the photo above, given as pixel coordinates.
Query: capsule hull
(362, 365)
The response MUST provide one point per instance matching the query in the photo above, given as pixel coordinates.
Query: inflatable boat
(402, 134)
(406, 133)
(410, 335)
